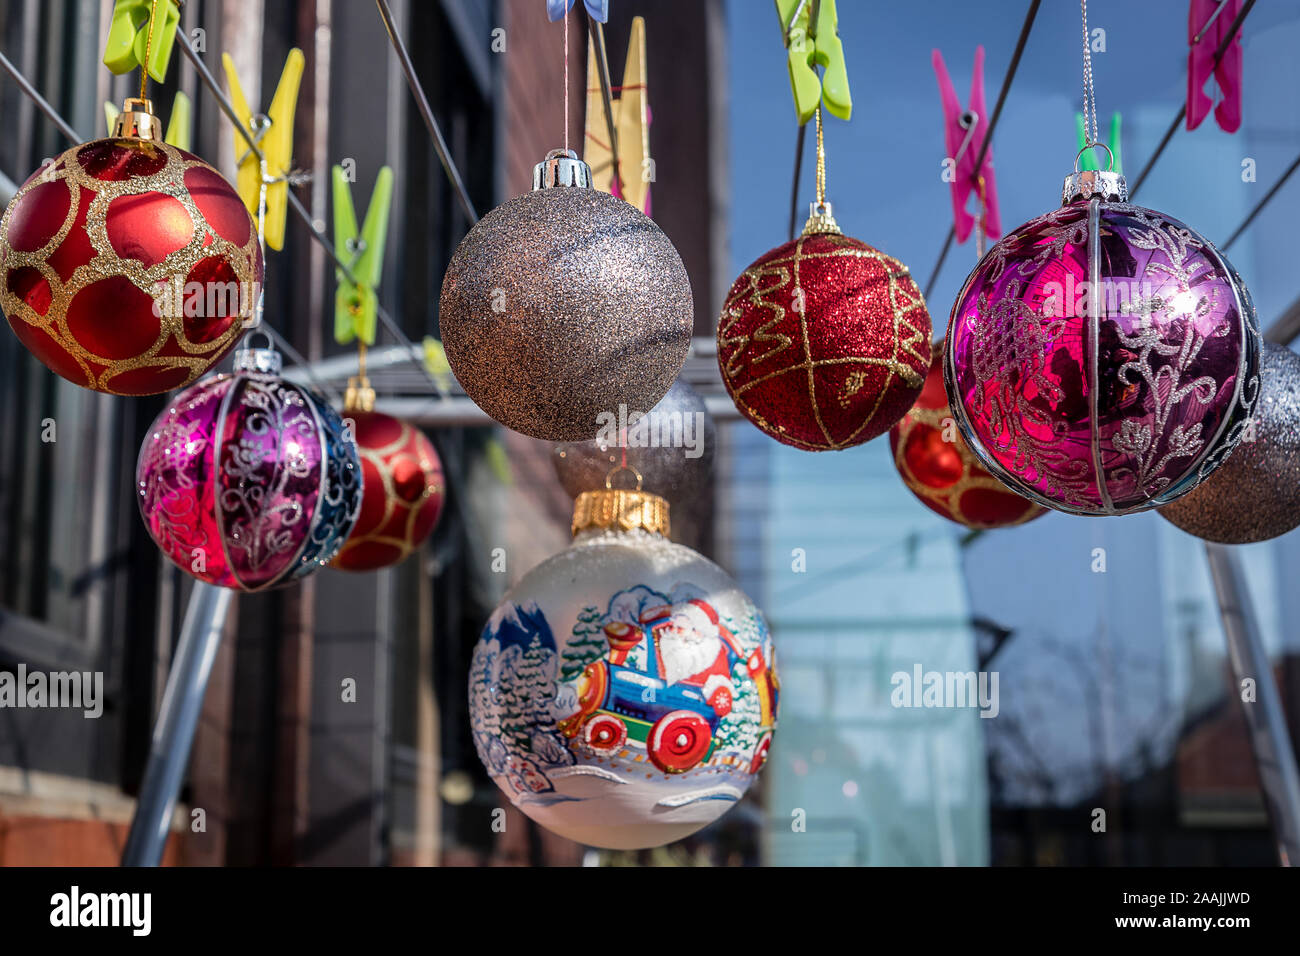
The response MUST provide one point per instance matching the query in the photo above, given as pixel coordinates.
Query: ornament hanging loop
(266, 336)
(609, 478)
(1104, 184)
(1110, 157)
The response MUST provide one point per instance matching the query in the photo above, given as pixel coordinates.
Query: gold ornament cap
(561, 167)
(620, 509)
(820, 220)
(137, 121)
(360, 396)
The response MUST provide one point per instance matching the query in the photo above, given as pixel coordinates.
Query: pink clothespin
(1208, 22)
(963, 132)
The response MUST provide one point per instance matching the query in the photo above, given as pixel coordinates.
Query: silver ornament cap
(561, 167)
(1104, 184)
(265, 360)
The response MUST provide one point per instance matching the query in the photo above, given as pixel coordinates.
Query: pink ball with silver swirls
(248, 481)
(1102, 359)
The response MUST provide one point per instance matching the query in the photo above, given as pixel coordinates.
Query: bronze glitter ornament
(564, 304)
(1255, 494)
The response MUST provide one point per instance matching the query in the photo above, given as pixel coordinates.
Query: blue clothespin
(556, 9)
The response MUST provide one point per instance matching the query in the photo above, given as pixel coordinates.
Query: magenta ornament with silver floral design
(248, 481)
(1102, 359)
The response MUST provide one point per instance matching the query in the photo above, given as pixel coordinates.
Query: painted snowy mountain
(515, 625)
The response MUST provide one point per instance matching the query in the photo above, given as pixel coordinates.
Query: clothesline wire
(426, 112)
(1259, 206)
(987, 141)
(25, 85)
(607, 98)
(794, 187)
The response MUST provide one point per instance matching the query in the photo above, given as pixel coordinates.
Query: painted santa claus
(695, 650)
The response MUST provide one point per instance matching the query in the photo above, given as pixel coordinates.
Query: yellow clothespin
(631, 109)
(810, 43)
(266, 191)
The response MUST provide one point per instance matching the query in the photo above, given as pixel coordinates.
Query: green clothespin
(180, 126)
(811, 43)
(436, 364)
(128, 36)
(1089, 159)
(356, 306)
(494, 453)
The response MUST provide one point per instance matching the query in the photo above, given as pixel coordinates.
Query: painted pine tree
(587, 644)
(535, 684)
(739, 730)
(488, 717)
(516, 707)
(750, 633)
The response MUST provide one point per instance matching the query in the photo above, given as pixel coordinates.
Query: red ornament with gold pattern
(938, 467)
(824, 342)
(403, 486)
(127, 265)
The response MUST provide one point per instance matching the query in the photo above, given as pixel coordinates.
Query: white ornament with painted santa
(624, 693)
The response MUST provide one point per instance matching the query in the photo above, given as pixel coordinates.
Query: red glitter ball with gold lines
(938, 467)
(824, 342)
(128, 266)
(402, 492)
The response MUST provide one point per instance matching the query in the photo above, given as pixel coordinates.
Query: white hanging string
(1089, 94)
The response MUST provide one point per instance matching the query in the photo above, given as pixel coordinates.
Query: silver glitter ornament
(1255, 494)
(671, 448)
(563, 304)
